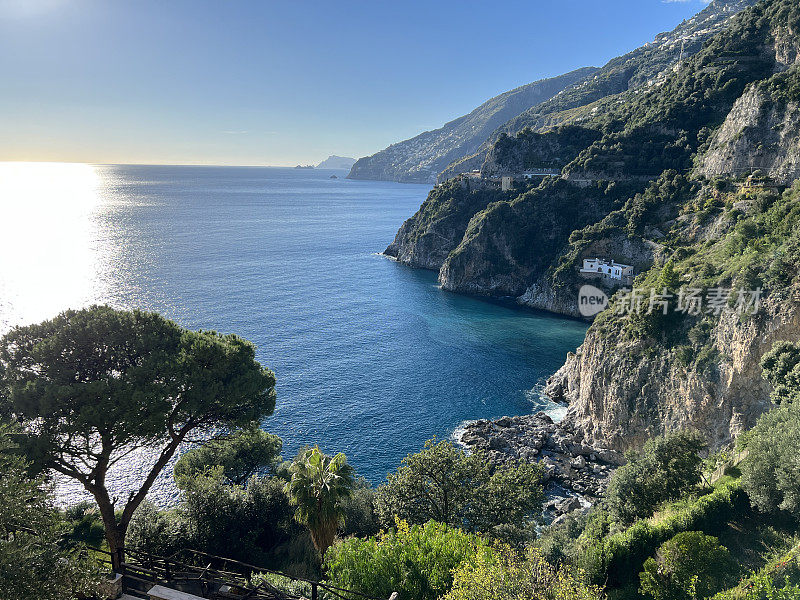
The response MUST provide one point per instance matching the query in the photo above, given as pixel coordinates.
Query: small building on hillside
(599, 267)
(757, 182)
(475, 180)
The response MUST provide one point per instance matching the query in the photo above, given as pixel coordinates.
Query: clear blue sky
(281, 82)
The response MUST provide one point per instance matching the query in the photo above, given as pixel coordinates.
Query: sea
(372, 358)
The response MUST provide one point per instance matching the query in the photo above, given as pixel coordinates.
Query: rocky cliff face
(421, 158)
(426, 239)
(512, 243)
(759, 133)
(622, 392)
(638, 377)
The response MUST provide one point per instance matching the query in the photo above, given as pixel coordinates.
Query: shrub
(360, 518)
(445, 484)
(778, 580)
(158, 532)
(616, 559)
(87, 527)
(666, 468)
(252, 523)
(241, 455)
(35, 561)
(257, 516)
(781, 367)
(771, 472)
(690, 565)
(416, 561)
(507, 575)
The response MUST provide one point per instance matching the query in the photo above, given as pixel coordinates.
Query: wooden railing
(220, 578)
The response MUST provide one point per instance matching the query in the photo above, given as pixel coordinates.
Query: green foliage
(255, 515)
(35, 561)
(445, 484)
(777, 580)
(505, 575)
(318, 484)
(690, 565)
(449, 207)
(660, 201)
(520, 239)
(360, 518)
(87, 526)
(667, 468)
(576, 540)
(781, 367)
(549, 150)
(164, 532)
(771, 472)
(92, 385)
(763, 588)
(616, 559)
(241, 455)
(783, 87)
(252, 523)
(417, 561)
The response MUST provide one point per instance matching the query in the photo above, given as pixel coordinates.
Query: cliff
(635, 188)
(421, 158)
(623, 391)
(438, 226)
(760, 132)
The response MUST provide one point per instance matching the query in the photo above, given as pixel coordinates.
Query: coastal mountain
(336, 162)
(421, 158)
(642, 68)
(681, 177)
(585, 116)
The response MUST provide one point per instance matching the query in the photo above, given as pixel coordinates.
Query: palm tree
(318, 483)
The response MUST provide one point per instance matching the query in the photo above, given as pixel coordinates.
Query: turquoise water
(371, 357)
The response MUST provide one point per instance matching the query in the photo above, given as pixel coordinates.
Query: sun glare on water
(48, 259)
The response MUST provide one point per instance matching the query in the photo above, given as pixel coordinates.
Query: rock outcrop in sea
(571, 468)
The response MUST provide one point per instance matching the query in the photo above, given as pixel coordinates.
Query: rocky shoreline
(576, 475)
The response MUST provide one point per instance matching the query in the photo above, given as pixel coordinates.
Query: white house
(609, 269)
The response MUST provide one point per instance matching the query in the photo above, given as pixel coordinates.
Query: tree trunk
(116, 545)
(115, 532)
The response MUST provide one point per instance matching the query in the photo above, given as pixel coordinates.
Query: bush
(257, 516)
(666, 469)
(616, 559)
(571, 541)
(445, 484)
(771, 473)
(778, 580)
(252, 523)
(781, 367)
(417, 561)
(360, 518)
(35, 561)
(690, 565)
(86, 524)
(158, 532)
(507, 575)
(241, 455)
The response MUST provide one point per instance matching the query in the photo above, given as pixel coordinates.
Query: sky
(268, 82)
